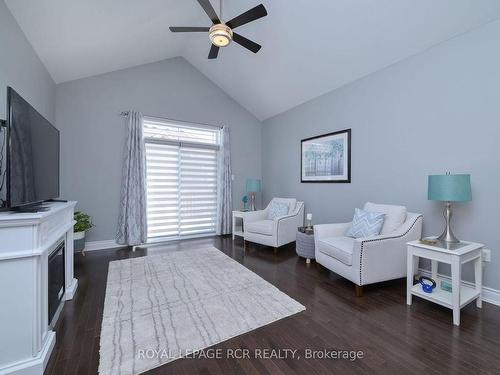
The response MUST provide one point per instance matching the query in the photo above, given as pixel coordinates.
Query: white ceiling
(309, 47)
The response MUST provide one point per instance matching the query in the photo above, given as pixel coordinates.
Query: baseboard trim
(101, 245)
(489, 295)
(111, 244)
(71, 290)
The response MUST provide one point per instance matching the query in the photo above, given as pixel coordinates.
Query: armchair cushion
(277, 209)
(340, 248)
(265, 227)
(366, 224)
(395, 216)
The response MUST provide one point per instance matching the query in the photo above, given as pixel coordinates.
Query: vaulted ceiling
(309, 47)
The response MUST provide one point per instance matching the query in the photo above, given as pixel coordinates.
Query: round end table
(304, 244)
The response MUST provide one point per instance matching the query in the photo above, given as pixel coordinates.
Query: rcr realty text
(239, 353)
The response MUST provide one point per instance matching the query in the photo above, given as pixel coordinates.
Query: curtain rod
(125, 114)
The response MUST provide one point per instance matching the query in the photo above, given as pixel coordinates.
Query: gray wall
(92, 132)
(21, 68)
(435, 112)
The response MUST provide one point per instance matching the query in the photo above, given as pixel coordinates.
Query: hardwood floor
(394, 338)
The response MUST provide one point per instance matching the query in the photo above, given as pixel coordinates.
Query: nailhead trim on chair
(286, 217)
(381, 239)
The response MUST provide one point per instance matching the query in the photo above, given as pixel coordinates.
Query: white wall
(92, 132)
(435, 112)
(21, 69)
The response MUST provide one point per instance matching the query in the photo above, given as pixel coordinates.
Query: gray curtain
(132, 221)
(225, 200)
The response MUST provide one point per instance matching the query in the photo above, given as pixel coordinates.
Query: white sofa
(369, 260)
(277, 232)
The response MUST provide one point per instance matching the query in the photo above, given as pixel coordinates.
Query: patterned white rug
(160, 307)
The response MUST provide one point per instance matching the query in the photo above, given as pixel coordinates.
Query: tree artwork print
(327, 158)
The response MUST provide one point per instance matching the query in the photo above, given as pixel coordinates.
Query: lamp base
(448, 236)
(252, 202)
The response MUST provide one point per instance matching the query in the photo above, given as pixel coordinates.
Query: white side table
(238, 223)
(456, 255)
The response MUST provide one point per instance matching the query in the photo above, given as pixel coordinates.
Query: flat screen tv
(32, 155)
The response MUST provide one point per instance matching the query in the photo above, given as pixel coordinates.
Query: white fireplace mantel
(26, 240)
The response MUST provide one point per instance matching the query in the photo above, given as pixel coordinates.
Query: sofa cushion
(260, 227)
(277, 209)
(395, 216)
(340, 248)
(365, 224)
(291, 202)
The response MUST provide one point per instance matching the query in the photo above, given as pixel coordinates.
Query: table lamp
(253, 186)
(449, 188)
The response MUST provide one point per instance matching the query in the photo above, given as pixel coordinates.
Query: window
(181, 174)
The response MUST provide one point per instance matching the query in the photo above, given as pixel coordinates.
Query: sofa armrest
(287, 221)
(330, 230)
(383, 257)
(250, 216)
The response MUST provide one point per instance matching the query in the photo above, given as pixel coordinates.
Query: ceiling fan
(221, 33)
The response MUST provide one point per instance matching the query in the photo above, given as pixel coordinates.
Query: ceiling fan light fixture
(220, 35)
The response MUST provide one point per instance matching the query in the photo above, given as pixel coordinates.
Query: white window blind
(181, 168)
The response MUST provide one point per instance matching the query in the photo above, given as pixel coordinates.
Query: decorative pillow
(291, 202)
(277, 209)
(365, 224)
(395, 216)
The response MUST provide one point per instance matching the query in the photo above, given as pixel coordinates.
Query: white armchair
(277, 232)
(367, 260)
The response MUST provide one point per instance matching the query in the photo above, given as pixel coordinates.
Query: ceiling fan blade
(188, 29)
(214, 51)
(250, 15)
(247, 43)
(209, 10)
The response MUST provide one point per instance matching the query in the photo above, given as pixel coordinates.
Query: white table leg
(478, 274)
(456, 277)
(434, 269)
(409, 275)
(234, 225)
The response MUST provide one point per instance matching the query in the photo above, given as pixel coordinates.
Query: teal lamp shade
(253, 186)
(449, 188)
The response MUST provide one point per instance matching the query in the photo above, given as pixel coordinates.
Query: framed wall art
(326, 158)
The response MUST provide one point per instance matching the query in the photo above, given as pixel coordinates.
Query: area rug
(162, 307)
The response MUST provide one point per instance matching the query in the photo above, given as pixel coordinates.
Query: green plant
(83, 222)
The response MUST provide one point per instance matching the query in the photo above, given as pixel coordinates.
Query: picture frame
(326, 158)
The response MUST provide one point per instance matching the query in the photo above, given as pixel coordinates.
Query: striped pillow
(365, 224)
